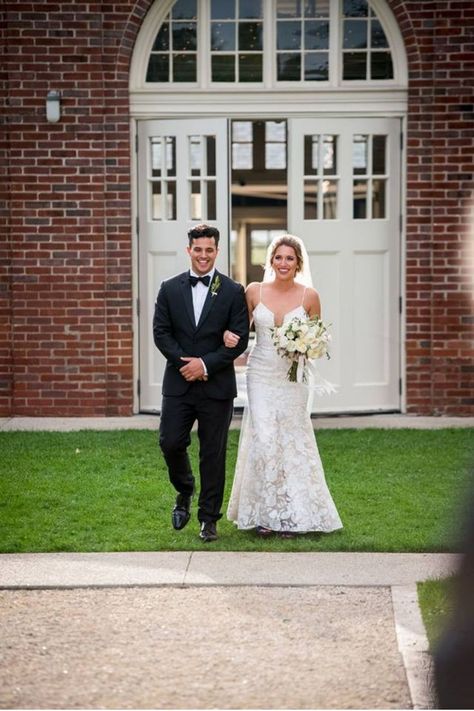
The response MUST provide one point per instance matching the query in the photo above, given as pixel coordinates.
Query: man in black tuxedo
(192, 312)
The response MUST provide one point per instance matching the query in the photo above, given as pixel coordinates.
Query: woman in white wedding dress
(279, 484)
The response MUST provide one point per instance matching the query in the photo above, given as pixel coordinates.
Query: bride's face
(284, 263)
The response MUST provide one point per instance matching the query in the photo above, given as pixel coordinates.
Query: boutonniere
(216, 285)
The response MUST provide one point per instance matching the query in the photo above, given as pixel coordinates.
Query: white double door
(343, 201)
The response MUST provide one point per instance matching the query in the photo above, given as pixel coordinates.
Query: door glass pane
(242, 145)
(195, 155)
(211, 200)
(275, 131)
(329, 155)
(242, 131)
(259, 192)
(170, 149)
(275, 145)
(378, 155)
(310, 199)
(360, 155)
(170, 200)
(211, 154)
(275, 156)
(156, 157)
(196, 202)
(311, 147)
(329, 199)
(378, 199)
(360, 199)
(156, 202)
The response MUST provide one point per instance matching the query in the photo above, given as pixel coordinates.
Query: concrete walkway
(215, 630)
(151, 422)
(209, 629)
(209, 568)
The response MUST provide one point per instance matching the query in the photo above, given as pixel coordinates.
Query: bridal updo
(288, 241)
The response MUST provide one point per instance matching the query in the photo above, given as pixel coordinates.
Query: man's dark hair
(203, 231)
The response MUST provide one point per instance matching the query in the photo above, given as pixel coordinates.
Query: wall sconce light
(53, 106)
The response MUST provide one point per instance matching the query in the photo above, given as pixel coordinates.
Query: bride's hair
(294, 243)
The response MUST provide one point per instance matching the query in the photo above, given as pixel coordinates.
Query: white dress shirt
(199, 293)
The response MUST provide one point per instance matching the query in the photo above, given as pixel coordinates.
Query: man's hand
(231, 339)
(193, 370)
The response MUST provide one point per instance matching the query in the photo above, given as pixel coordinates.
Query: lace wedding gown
(279, 480)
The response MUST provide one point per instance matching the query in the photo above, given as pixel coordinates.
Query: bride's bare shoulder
(311, 293)
(253, 286)
(252, 293)
(312, 302)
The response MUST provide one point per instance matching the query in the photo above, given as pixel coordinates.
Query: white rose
(291, 346)
(300, 345)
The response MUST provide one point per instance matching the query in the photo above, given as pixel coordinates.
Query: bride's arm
(251, 297)
(312, 303)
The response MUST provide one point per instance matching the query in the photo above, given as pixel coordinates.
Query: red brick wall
(70, 217)
(66, 261)
(439, 347)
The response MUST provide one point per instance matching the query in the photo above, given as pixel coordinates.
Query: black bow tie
(194, 280)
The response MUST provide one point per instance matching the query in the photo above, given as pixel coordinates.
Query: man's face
(203, 253)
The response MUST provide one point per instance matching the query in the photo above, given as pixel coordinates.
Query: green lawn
(396, 490)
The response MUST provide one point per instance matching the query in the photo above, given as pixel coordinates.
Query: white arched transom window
(271, 44)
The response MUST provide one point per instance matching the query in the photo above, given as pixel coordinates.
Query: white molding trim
(366, 102)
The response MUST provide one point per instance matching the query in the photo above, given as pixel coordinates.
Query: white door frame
(238, 112)
(332, 99)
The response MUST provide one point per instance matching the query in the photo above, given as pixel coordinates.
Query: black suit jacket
(176, 334)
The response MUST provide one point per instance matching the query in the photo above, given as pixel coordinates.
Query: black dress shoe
(208, 531)
(181, 514)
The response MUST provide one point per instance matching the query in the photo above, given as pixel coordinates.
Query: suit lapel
(210, 298)
(188, 299)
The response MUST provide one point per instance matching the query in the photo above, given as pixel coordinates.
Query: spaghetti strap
(261, 286)
(304, 294)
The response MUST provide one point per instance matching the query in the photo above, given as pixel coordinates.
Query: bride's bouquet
(300, 341)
